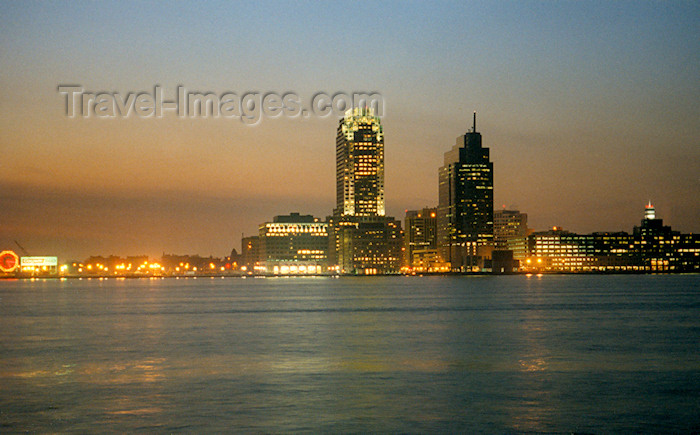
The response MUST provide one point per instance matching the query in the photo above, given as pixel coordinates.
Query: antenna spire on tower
(474, 126)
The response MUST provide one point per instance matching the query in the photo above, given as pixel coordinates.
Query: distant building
(38, 266)
(362, 240)
(563, 251)
(233, 261)
(193, 264)
(420, 240)
(557, 249)
(510, 232)
(652, 247)
(138, 265)
(465, 209)
(661, 249)
(250, 253)
(293, 244)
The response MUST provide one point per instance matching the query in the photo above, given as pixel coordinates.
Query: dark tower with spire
(465, 209)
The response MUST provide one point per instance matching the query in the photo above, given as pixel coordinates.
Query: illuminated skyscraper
(362, 240)
(465, 209)
(359, 150)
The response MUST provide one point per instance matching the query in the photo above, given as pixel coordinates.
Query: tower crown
(649, 211)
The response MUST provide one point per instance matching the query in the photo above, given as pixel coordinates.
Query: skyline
(566, 93)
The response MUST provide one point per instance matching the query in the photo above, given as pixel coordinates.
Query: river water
(482, 354)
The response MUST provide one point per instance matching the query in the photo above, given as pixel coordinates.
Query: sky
(590, 110)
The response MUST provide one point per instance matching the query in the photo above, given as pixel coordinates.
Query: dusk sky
(590, 109)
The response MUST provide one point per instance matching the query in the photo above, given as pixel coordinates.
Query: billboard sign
(9, 261)
(39, 261)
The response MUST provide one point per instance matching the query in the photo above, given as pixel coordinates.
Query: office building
(560, 250)
(359, 149)
(660, 249)
(652, 247)
(465, 209)
(510, 232)
(362, 240)
(420, 240)
(293, 244)
(365, 245)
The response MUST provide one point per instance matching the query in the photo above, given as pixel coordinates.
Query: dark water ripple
(552, 354)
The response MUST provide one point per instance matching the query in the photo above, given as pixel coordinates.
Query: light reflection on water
(445, 354)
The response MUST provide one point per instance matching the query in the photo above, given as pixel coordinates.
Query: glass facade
(465, 208)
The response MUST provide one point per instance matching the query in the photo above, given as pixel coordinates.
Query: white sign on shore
(38, 261)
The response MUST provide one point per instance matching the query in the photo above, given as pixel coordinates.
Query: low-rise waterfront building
(652, 247)
(365, 245)
(293, 244)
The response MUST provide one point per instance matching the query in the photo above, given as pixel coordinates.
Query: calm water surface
(509, 354)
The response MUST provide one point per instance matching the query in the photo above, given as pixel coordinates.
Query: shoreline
(410, 275)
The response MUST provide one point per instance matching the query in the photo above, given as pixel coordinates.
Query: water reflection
(531, 378)
(533, 365)
(386, 355)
